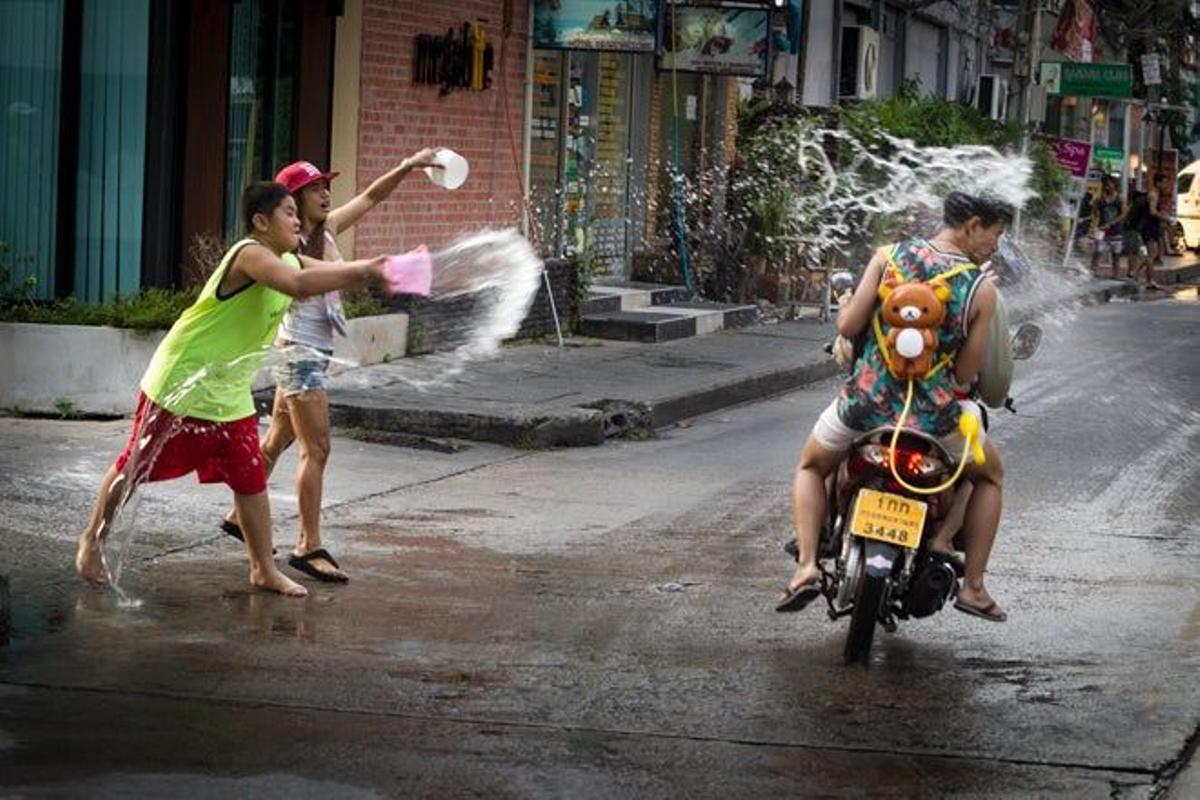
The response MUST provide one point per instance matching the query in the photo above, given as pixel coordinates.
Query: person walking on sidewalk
(1108, 215)
(195, 411)
(301, 406)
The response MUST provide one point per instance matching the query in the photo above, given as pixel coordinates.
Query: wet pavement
(596, 622)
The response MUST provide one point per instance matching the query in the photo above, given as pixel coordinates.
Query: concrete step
(663, 323)
(608, 295)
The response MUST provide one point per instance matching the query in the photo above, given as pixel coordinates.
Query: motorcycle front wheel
(867, 604)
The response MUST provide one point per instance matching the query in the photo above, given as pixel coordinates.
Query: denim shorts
(304, 373)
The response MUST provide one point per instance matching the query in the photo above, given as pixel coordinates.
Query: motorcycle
(874, 555)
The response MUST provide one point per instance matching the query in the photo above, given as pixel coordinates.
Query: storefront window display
(583, 134)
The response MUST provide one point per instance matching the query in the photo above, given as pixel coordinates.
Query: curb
(670, 410)
(581, 426)
(571, 427)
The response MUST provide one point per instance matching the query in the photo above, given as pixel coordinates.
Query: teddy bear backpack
(914, 311)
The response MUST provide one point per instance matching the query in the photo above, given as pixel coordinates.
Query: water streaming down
(498, 268)
(883, 190)
(492, 276)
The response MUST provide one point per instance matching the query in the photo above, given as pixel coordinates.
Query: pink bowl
(409, 273)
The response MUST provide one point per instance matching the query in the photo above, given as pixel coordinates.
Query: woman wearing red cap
(301, 409)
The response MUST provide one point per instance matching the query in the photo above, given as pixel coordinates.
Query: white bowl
(454, 169)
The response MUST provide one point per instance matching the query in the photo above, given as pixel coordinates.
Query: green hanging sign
(1087, 80)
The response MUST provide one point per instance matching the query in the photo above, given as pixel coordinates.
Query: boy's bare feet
(88, 562)
(273, 580)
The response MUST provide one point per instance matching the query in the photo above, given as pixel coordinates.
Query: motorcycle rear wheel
(867, 604)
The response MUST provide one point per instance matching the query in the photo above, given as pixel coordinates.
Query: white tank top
(312, 321)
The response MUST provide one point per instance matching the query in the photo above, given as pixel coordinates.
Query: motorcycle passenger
(873, 397)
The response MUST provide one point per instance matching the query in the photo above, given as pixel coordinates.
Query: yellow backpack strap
(943, 362)
(881, 341)
(959, 270)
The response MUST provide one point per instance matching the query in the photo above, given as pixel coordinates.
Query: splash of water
(492, 278)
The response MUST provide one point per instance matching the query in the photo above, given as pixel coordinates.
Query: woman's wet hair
(960, 207)
(262, 197)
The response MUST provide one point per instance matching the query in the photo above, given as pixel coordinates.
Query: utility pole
(1033, 48)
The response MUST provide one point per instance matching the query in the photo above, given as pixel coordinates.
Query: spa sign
(1073, 156)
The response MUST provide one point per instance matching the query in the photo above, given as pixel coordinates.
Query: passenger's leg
(982, 523)
(809, 507)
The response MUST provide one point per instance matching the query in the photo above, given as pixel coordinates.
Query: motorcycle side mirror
(1025, 341)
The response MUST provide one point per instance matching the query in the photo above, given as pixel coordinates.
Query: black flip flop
(990, 612)
(233, 529)
(798, 599)
(303, 564)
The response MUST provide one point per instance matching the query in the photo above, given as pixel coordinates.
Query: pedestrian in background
(1108, 216)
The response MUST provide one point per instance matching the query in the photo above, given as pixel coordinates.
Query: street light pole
(1027, 87)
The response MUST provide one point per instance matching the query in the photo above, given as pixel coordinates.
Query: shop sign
(727, 40)
(1073, 156)
(619, 25)
(1151, 75)
(1087, 80)
(1109, 159)
(459, 59)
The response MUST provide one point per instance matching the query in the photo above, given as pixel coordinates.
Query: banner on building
(1073, 155)
(617, 25)
(1075, 35)
(1087, 80)
(731, 39)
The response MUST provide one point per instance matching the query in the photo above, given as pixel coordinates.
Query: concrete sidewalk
(538, 395)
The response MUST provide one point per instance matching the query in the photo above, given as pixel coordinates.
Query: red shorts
(167, 446)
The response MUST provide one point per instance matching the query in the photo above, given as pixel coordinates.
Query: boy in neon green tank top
(195, 410)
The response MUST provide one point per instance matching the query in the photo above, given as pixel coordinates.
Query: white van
(1187, 203)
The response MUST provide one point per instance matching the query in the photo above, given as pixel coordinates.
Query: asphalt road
(597, 622)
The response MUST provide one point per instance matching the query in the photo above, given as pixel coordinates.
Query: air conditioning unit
(859, 76)
(991, 95)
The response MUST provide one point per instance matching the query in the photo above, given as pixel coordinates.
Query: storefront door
(584, 136)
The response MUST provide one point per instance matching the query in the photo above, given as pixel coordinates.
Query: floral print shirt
(872, 397)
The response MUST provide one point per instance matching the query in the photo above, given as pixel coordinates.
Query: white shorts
(837, 437)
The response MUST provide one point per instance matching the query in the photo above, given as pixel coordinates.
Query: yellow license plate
(889, 518)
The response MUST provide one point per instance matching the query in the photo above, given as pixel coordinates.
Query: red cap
(298, 174)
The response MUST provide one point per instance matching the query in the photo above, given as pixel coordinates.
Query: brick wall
(440, 325)
(398, 117)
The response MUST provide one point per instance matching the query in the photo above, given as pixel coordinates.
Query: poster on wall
(730, 39)
(617, 25)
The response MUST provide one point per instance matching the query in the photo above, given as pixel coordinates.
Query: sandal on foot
(233, 529)
(798, 598)
(991, 612)
(304, 564)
